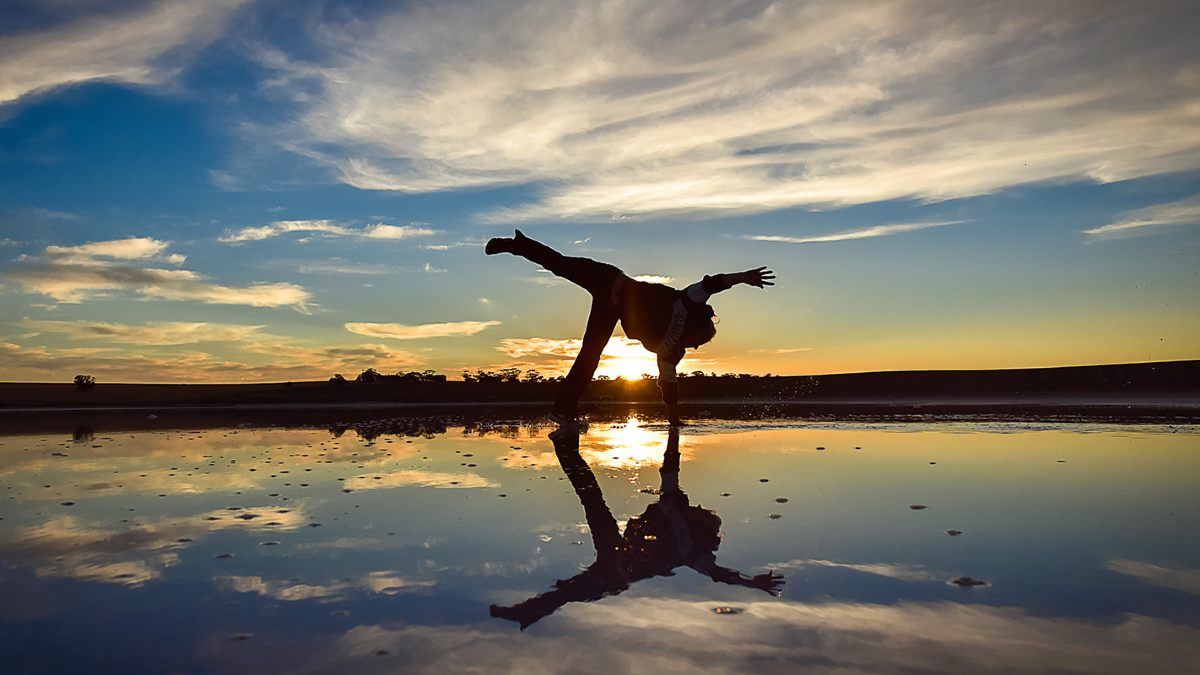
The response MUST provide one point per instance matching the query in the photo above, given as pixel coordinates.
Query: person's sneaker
(498, 245)
(505, 244)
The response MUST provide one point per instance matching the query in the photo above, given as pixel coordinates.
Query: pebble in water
(918, 507)
(727, 610)
(221, 556)
(953, 533)
(774, 516)
(781, 500)
(967, 582)
(763, 480)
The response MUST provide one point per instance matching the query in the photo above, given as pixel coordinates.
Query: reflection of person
(671, 533)
(665, 320)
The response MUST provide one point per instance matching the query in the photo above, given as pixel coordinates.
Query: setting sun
(626, 358)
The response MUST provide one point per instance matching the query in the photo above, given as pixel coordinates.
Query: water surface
(419, 545)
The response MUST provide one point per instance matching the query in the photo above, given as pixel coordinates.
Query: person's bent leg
(601, 322)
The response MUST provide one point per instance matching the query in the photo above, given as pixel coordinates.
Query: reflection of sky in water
(153, 551)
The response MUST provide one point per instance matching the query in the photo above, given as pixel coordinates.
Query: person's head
(700, 327)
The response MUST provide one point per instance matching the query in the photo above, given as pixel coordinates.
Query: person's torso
(646, 310)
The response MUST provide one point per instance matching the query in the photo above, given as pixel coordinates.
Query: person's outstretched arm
(770, 582)
(760, 277)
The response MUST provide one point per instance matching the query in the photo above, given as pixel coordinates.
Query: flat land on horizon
(1175, 383)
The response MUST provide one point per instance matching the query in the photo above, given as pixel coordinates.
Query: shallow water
(390, 545)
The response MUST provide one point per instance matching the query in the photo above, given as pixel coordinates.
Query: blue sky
(248, 191)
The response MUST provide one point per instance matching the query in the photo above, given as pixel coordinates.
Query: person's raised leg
(601, 322)
(596, 277)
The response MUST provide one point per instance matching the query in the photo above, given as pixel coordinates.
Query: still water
(733, 546)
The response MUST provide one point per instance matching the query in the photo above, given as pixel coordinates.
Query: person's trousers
(596, 278)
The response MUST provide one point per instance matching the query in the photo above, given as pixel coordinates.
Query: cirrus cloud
(72, 274)
(140, 43)
(399, 331)
(1150, 219)
(849, 235)
(153, 333)
(646, 109)
(325, 227)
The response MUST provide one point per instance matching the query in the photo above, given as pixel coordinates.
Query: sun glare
(627, 359)
(625, 446)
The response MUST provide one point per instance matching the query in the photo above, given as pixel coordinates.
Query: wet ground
(442, 544)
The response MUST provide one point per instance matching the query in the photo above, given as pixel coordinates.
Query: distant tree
(649, 376)
(697, 373)
(469, 377)
(367, 376)
(338, 379)
(532, 375)
(487, 376)
(84, 382)
(510, 375)
(603, 378)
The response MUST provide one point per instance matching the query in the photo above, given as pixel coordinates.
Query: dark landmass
(1166, 388)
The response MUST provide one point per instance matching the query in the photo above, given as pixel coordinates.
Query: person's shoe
(505, 244)
(499, 245)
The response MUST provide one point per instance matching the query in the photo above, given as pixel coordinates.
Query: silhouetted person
(665, 320)
(671, 533)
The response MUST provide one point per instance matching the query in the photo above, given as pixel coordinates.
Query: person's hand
(760, 277)
(770, 582)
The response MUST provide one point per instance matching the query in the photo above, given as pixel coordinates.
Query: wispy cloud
(71, 274)
(153, 333)
(324, 227)
(70, 547)
(1181, 579)
(1150, 220)
(399, 331)
(87, 41)
(848, 235)
(820, 637)
(655, 278)
(645, 109)
(260, 357)
(782, 350)
(384, 582)
(406, 477)
(890, 570)
(132, 248)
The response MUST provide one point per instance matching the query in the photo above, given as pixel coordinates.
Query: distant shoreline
(1163, 388)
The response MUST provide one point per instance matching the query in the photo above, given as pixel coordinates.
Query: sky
(260, 190)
